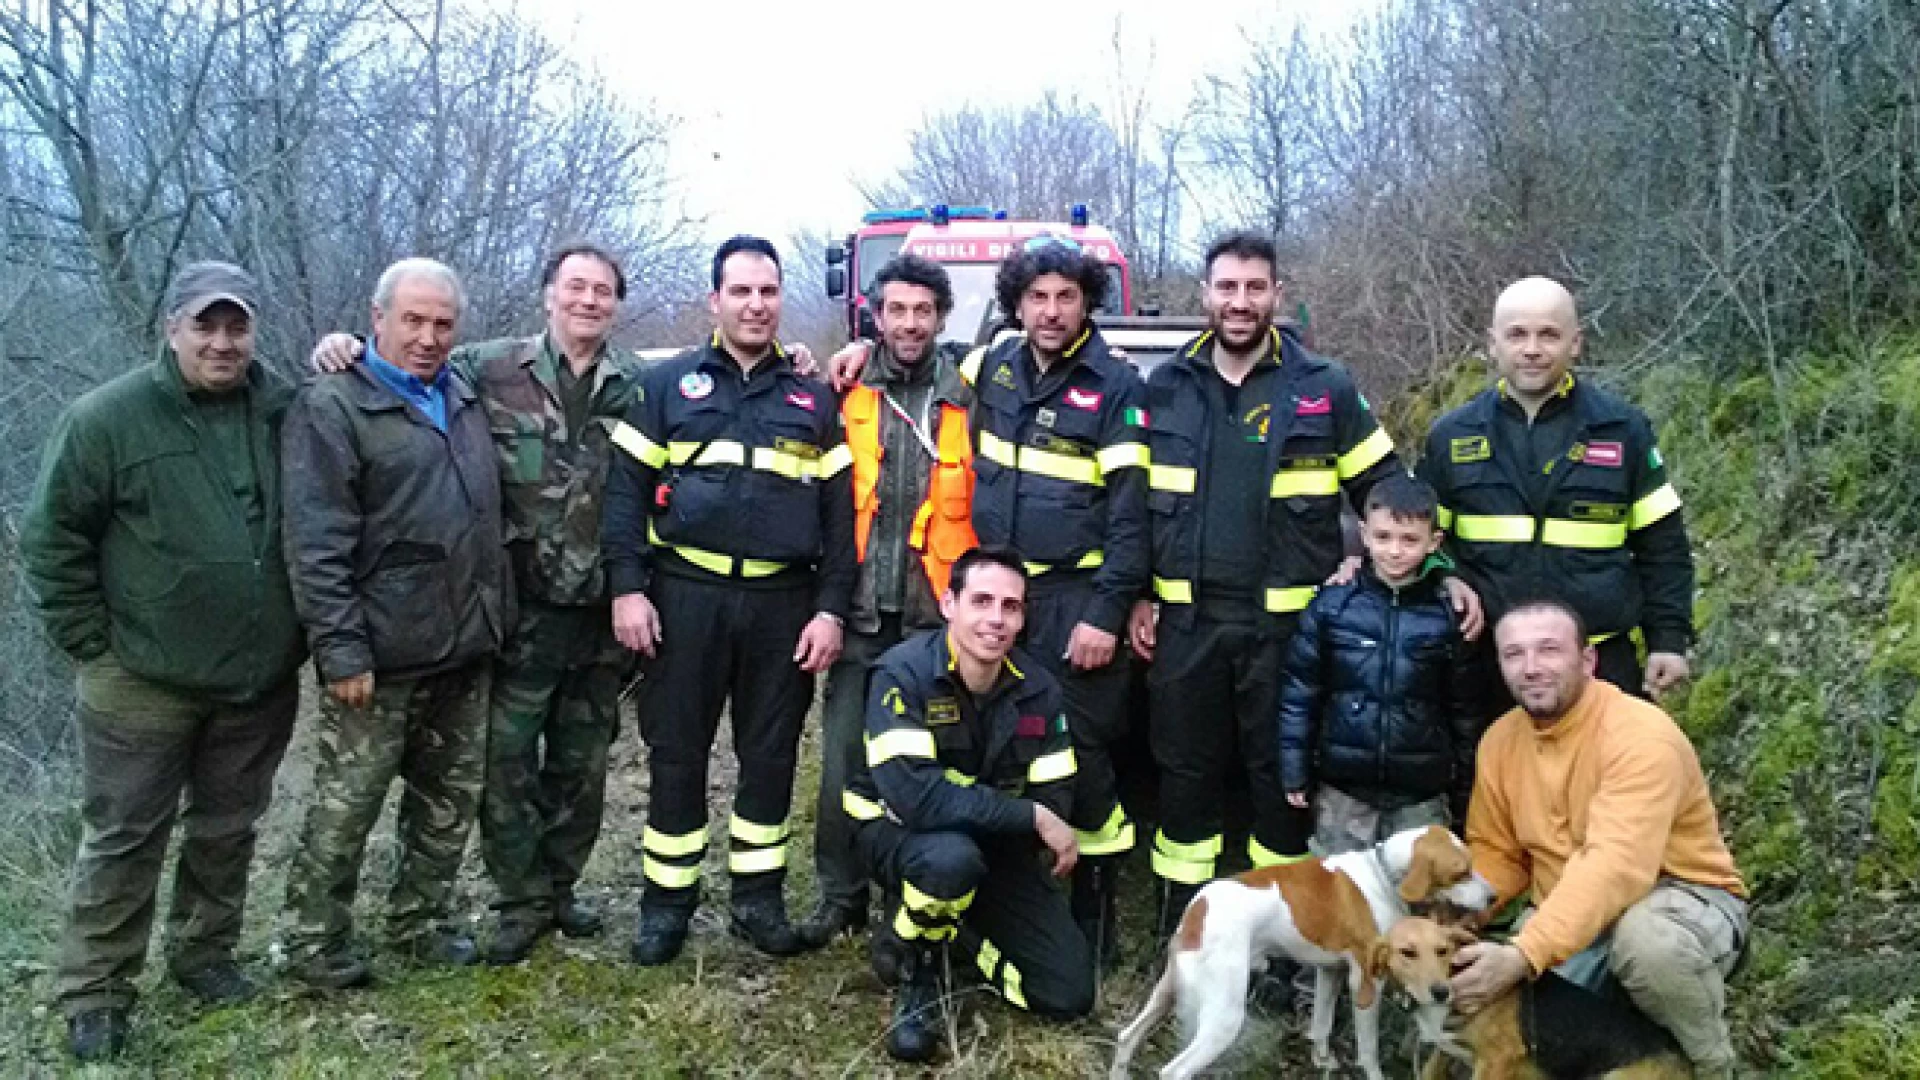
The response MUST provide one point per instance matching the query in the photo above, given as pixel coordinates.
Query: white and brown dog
(1324, 913)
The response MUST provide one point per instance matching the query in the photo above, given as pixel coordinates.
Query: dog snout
(1442, 993)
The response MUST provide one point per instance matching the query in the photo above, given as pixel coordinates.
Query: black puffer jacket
(1381, 697)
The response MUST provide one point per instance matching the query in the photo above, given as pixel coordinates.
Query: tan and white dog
(1324, 913)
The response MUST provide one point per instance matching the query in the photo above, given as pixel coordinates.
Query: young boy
(1379, 705)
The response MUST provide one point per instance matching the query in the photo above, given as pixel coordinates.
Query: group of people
(480, 547)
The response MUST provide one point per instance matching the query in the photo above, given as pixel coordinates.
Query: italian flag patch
(1137, 417)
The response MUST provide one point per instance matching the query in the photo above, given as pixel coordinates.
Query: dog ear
(1379, 957)
(1368, 992)
(1419, 880)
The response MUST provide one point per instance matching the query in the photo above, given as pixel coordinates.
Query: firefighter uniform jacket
(1573, 504)
(1322, 442)
(1061, 466)
(744, 479)
(940, 759)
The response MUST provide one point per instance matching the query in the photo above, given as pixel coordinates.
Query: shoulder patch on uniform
(1606, 455)
(695, 385)
(944, 710)
(894, 702)
(1313, 406)
(1003, 376)
(1654, 460)
(1083, 399)
(1031, 727)
(1471, 448)
(1136, 417)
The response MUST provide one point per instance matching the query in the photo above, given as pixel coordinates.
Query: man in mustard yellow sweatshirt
(1594, 801)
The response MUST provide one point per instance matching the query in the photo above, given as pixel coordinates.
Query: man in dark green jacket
(153, 549)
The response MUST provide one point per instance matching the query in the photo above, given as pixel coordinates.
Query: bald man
(1552, 487)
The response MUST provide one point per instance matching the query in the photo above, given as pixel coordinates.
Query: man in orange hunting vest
(906, 421)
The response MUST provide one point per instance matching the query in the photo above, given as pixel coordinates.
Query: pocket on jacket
(409, 616)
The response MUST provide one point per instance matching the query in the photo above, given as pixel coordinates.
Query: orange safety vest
(943, 526)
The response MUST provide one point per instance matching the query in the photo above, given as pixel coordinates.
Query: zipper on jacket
(1389, 647)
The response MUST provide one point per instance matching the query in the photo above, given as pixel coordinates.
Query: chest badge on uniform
(1471, 448)
(1258, 421)
(800, 399)
(1004, 377)
(942, 711)
(1083, 399)
(1031, 727)
(1313, 406)
(1045, 417)
(1606, 455)
(695, 385)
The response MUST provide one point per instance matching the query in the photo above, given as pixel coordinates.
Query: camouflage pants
(556, 699)
(1344, 823)
(430, 731)
(142, 746)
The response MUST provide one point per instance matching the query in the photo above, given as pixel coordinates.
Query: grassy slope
(1805, 713)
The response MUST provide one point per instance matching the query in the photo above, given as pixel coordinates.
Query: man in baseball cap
(152, 545)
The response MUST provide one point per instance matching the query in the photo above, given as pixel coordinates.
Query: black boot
(917, 1006)
(97, 1034)
(831, 919)
(762, 922)
(1174, 898)
(663, 933)
(1094, 908)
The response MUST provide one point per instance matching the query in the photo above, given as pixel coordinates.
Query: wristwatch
(831, 617)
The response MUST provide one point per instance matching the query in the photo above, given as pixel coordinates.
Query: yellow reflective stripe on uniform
(1290, 482)
(1653, 506)
(908, 930)
(1173, 590)
(1493, 529)
(1112, 838)
(644, 450)
(757, 860)
(717, 452)
(1092, 560)
(1443, 517)
(1293, 598)
(669, 876)
(1032, 459)
(1126, 455)
(970, 367)
(899, 742)
(932, 906)
(660, 843)
(861, 808)
(1175, 478)
(834, 460)
(1366, 454)
(1050, 767)
(1263, 856)
(714, 562)
(1593, 535)
(1188, 864)
(749, 832)
(1010, 985)
(783, 463)
(955, 776)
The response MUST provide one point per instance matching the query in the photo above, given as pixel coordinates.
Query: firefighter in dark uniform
(1255, 441)
(960, 809)
(729, 545)
(1551, 486)
(1060, 455)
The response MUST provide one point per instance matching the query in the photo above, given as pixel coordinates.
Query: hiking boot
(887, 952)
(98, 1034)
(514, 938)
(1277, 988)
(218, 983)
(831, 919)
(440, 947)
(663, 933)
(576, 918)
(917, 1008)
(332, 969)
(762, 923)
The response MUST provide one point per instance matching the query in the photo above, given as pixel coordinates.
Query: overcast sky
(783, 106)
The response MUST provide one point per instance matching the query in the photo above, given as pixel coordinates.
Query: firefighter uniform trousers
(721, 641)
(1096, 708)
(989, 897)
(1215, 693)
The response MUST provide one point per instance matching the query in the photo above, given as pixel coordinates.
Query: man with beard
(729, 543)
(552, 401)
(1593, 802)
(1255, 443)
(906, 423)
(1060, 459)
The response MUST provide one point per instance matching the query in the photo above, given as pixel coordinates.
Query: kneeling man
(961, 807)
(1595, 801)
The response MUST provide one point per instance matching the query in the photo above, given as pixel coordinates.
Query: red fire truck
(970, 242)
